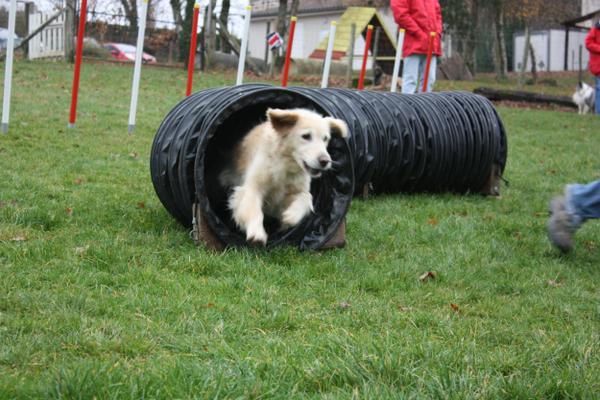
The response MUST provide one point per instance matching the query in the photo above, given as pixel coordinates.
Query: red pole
(363, 69)
(428, 64)
(192, 55)
(288, 53)
(78, 54)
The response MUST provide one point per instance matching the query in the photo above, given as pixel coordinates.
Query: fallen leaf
(427, 275)
(141, 204)
(210, 305)
(432, 221)
(404, 308)
(454, 307)
(133, 154)
(81, 250)
(78, 181)
(554, 283)
(69, 211)
(344, 305)
(19, 238)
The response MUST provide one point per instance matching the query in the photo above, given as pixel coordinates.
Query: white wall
(549, 49)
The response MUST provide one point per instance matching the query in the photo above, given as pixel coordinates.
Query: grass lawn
(103, 294)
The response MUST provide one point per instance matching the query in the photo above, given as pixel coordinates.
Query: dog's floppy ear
(282, 119)
(337, 127)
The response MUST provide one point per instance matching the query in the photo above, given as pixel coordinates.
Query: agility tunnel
(434, 142)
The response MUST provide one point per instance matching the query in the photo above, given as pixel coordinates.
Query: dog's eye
(306, 136)
(326, 139)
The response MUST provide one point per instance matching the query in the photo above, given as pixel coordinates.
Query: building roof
(269, 8)
(361, 17)
(577, 22)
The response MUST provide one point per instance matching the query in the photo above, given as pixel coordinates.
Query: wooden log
(527, 97)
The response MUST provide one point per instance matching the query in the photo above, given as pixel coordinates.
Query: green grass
(103, 295)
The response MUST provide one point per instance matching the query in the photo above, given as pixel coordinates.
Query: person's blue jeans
(598, 95)
(583, 201)
(413, 73)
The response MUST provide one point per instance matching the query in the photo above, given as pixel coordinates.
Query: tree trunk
(503, 53)
(184, 34)
(282, 29)
(534, 75)
(69, 30)
(130, 8)
(176, 9)
(294, 9)
(499, 45)
(524, 60)
(225, 48)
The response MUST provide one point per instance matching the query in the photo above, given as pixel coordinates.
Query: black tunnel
(436, 142)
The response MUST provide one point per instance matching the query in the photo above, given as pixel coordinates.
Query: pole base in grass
(4, 128)
(71, 126)
(130, 128)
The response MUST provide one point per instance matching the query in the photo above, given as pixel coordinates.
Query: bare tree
(225, 47)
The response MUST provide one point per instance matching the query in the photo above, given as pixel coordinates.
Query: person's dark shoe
(561, 227)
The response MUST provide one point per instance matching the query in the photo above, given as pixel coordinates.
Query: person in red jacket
(592, 43)
(419, 18)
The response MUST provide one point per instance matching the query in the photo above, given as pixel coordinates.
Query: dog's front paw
(293, 216)
(256, 235)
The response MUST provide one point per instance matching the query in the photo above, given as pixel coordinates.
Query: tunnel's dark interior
(234, 124)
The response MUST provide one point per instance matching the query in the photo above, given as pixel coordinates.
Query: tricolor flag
(274, 41)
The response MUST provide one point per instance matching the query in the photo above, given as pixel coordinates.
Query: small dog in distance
(584, 97)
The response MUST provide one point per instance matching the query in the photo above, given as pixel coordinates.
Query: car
(126, 53)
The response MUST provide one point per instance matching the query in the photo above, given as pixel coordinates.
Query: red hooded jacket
(592, 43)
(419, 18)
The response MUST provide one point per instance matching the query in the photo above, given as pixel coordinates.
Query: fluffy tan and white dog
(272, 168)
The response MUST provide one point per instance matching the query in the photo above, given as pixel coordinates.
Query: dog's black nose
(324, 162)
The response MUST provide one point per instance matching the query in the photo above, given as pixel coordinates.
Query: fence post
(244, 46)
(135, 86)
(328, 55)
(8, 68)
(398, 60)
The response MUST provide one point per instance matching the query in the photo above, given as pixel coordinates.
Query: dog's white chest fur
(273, 166)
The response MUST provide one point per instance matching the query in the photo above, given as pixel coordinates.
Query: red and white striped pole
(428, 64)
(192, 55)
(363, 69)
(288, 52)
(78, 55)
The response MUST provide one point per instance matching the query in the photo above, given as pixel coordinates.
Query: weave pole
(428, 64)
(363, 69)
(328, 55)
(244, 47)
(8, 68)
(137, 70)
(398, 60)
(288, 52)
(78, 56)
(192, 55)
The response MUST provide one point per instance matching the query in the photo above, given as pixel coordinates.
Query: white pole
(137, 69)
(328, 54)
(399, 44)
(244, 47)
(10, 49)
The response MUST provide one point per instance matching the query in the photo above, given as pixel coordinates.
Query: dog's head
(305, 136)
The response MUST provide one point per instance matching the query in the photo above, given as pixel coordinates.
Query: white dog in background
(272, 168)
(584, 97)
